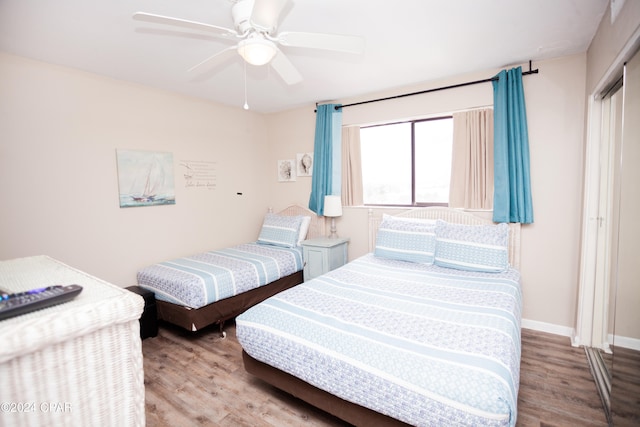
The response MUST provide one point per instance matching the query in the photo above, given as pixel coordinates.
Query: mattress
(424, 344)
(204, 278)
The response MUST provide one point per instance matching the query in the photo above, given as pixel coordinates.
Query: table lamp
(332, 209)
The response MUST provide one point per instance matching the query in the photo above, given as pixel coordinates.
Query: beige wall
(289, 133)
(607, 49)
(59, 131)
(555, 108)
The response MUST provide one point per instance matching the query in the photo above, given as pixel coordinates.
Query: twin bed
(423, 330)
(211, 287)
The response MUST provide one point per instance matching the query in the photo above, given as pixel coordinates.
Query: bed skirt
(345, 410)
(218, 312)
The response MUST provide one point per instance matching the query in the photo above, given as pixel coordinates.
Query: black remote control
(24, 302)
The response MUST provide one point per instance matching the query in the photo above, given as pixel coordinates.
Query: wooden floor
(198, 380)
(625, 387)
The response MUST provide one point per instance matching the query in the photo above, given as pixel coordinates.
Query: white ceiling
(407, 42)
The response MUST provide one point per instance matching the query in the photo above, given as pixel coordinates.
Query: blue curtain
(326, 156)
(512, 185)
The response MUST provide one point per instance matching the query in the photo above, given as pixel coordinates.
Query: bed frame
(194, 319)
(347, 411)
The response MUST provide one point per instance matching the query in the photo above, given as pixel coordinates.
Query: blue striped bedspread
(207, 277)
(424, 344)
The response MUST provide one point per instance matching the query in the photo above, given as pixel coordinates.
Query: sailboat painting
(145, 178)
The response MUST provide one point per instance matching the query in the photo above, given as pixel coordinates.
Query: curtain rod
(524, 73)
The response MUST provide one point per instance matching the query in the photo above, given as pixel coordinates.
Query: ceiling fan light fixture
(257, 51)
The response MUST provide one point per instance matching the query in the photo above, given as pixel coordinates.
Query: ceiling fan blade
(266, 14)
(347, 44)
(215, 60)
(183, 23)
(285, 69)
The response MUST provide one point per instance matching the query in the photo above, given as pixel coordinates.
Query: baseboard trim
(548, 327)
(625, 342)
(565, 331)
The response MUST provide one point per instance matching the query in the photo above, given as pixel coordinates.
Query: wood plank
(625, 387)
(556, 386)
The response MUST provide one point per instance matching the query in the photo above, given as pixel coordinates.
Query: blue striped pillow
(280, 230)
(406, 239)
(472, 247)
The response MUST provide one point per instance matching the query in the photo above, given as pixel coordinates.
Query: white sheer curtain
(472, 162)
(352, 193)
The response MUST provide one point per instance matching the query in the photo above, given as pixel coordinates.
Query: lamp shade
(257, 50)
(332, 206)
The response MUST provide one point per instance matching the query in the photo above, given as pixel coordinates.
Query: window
(407, 163)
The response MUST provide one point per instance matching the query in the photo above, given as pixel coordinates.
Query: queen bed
(211, 287)
(423, 330)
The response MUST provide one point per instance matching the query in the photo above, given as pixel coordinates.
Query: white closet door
(627, 317)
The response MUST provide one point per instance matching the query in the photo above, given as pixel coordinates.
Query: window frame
(413, 122)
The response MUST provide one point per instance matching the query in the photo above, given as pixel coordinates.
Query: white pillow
(304, 229)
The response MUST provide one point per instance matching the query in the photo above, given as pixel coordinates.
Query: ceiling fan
(256, 23)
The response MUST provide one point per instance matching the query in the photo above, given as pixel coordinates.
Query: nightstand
(322, 255)
(149, 318)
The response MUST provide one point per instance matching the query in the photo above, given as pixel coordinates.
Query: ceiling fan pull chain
(246, 105)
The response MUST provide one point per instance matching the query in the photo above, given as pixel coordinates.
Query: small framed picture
(286, 170)
(304, 164)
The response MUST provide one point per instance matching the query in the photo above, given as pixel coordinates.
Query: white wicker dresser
(74, 364)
